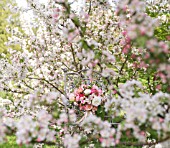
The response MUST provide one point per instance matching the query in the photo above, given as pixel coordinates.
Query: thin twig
(121, 69)
(74, 58)
(42, 79)
(89, 7)
(14, 91)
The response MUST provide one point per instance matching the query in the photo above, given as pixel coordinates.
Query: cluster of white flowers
(71, 141)
(127, 89)
(103, 128)
(29, 129)
(65, 118)
(141, 108)
(3, 128)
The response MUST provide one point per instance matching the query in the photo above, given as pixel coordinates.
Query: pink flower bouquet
(87, 97)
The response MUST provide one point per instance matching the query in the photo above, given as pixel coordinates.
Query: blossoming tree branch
(98, 77)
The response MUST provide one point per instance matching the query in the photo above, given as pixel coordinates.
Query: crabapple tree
(94, 75)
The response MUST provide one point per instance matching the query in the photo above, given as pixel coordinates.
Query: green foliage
(8, 20)
(128, 139)
(100, 112)
(162, 32)
(11, 143)
(6, 95)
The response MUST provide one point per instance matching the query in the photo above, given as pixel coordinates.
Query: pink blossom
(88, 107)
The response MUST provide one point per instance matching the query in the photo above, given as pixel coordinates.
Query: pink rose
(82, 107)
(88, 107)
(79, 97)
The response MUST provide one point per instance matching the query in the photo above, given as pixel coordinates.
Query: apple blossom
(71, 141)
